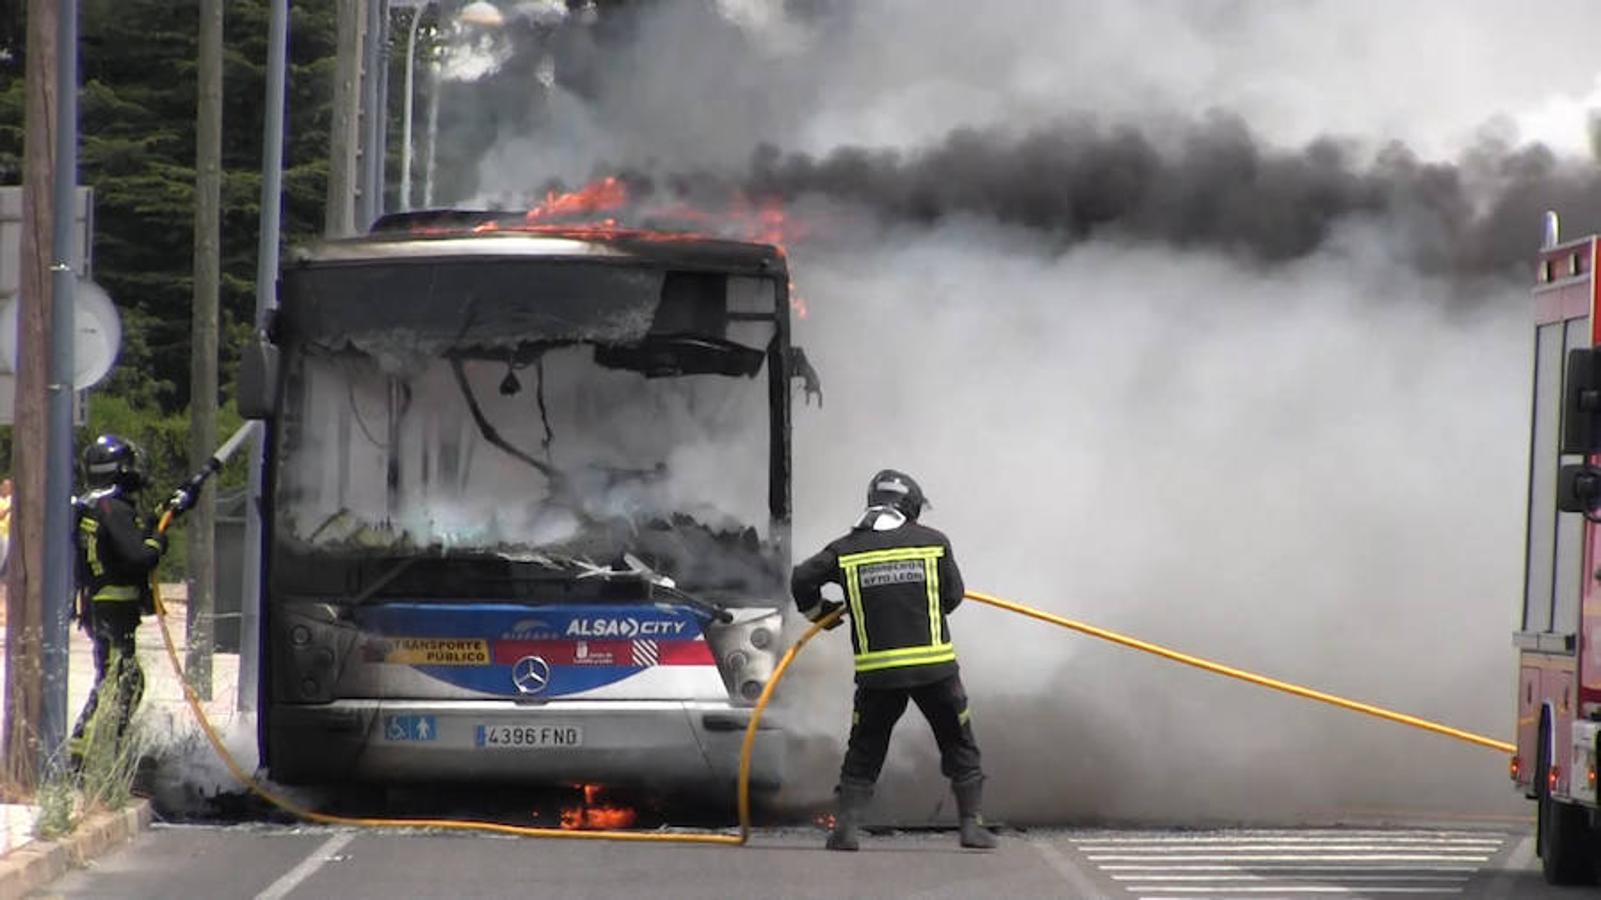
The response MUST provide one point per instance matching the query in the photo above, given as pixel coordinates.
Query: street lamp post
(433, 132)
(405, 115)
(370, 203)
(479, 14)
(417, 7)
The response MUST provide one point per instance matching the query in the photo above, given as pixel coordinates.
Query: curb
(38, 863)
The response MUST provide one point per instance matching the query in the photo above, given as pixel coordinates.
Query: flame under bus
(529, 500)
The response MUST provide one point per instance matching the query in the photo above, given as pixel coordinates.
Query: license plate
(515, 737)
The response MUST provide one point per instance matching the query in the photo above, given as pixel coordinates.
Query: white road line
(1287, 839)
(1285, 876)
(1519, 860)
(1292, 857)
(1284, 867)
(1309, 834)
(1081, 885)
(1258, 862)
(1278, 846)
(1291, 889)
(318, 858)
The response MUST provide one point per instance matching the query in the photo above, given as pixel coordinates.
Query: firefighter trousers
(118, 678)
(943, 703)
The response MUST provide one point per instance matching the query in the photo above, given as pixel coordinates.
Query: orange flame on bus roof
(577, 214)
(601, 195)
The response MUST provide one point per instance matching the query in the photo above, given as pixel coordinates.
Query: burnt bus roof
(436, 234)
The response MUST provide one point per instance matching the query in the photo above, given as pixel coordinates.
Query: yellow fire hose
(301, 812)
(1241, 674)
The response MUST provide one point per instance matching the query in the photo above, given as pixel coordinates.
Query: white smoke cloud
(1314, 469)
(1427, 73)
(1314, 472)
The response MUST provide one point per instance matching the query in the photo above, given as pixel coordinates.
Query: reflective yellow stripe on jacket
(90, 530)
(937, 650)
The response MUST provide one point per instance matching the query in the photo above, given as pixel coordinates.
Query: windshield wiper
(658, 583)
(711, 609)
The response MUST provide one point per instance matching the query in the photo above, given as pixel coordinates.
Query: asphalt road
(277, 861)
(273, 861)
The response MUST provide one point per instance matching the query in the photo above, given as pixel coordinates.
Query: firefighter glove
(828, 608)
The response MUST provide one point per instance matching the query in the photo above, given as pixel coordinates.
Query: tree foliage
(137, 123)
(137, 109)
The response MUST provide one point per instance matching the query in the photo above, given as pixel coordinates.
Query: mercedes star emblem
(531, 675)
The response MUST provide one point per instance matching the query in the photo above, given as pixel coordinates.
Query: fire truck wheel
(1562, 834)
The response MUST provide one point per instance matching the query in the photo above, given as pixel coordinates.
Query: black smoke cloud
(1204, 183)
(1207, 182)
(1217, 187)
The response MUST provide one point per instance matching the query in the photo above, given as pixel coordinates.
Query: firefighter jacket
(116, 550)
(899, 584)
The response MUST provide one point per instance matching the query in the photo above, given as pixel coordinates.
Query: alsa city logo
(623, 628)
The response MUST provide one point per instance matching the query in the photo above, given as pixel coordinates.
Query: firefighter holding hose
(118, 549)
(899, 581)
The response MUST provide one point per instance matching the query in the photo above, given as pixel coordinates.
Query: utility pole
(203, 353)
(56, 608)
(345, 132)
(272, 160)
(24, 695)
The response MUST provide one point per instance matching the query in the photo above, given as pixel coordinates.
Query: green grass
(104, 780)
(57, 799)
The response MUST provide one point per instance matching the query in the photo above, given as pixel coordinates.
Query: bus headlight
(311, 639)
(745, 650)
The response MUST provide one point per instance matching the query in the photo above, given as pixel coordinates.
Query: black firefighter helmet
(898, 490)
(112, 461)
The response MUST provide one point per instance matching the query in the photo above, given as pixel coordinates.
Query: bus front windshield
(556, 454)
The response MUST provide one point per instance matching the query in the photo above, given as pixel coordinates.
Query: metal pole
(368, 204)
(272, 158)
(380, 156)
(405, 111)
(58, 471)
(433, 133)
(202, 605)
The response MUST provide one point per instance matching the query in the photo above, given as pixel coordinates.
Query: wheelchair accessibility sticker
(410, 728)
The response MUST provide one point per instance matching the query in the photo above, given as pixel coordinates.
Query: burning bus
(527, 504)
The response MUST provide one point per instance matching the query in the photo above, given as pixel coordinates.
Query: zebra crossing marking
(1289, 863)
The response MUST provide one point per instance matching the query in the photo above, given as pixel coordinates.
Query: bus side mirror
(801, 367)
(256, 390)
(1578, 488)
(1581, 403)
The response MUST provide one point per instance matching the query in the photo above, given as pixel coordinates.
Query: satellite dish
(95, 345)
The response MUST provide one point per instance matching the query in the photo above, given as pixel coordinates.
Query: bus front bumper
(663, 744)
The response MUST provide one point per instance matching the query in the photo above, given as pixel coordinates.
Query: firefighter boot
(853, 800)
(969, 797)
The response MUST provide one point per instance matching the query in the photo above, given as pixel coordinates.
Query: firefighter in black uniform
(118, 549)
(899, 581)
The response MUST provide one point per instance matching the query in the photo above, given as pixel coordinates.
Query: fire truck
(1559, 634)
